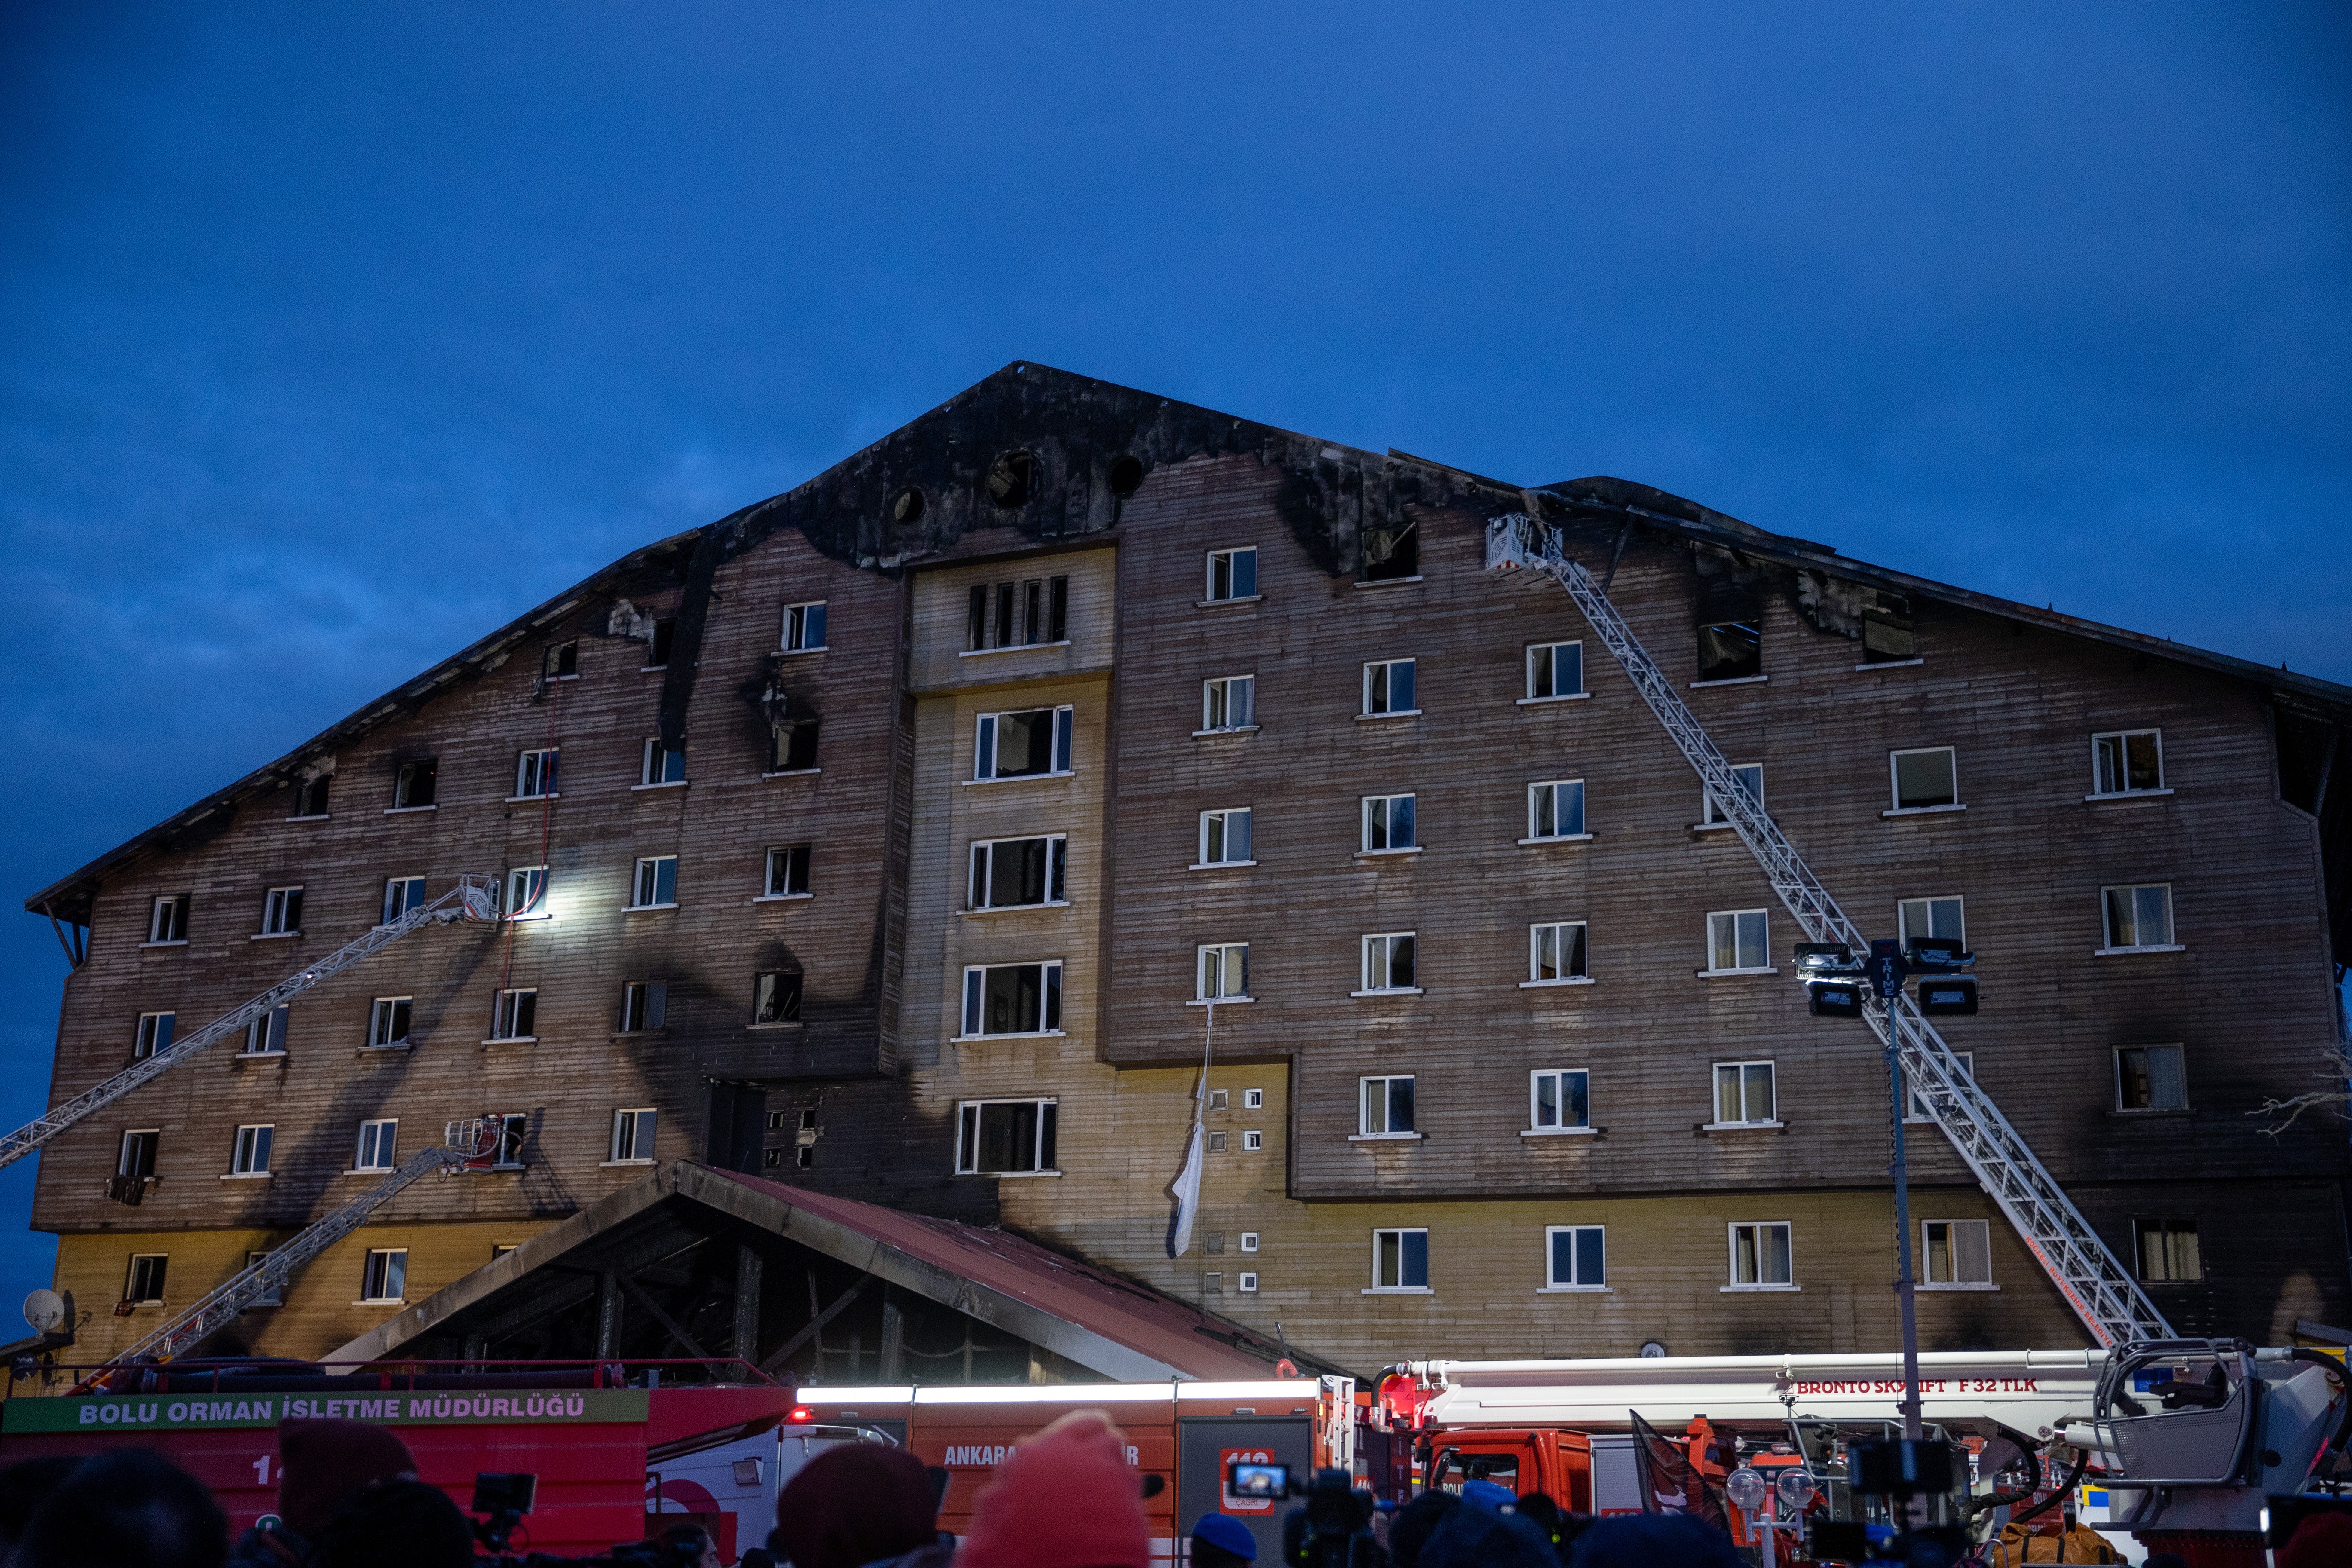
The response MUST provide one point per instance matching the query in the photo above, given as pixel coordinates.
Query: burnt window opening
(1126, 476)
(665, 633)
(1007, 602)
(561, 662)
(1730, 650)
(1013, 479)
(908, 508)
(1887, 636)
(805, 1156)
(413, 784)
(776, 997)
(310, 796)
(1017, 614)
(975, 632)
(792, 746)
(1391, 554)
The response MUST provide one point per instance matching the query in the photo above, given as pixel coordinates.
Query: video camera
(1333, 1528)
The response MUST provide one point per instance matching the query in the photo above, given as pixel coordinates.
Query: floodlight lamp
(1747, 1488)
(1796, 1487)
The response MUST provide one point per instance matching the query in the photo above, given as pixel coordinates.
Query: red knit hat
(855, 1504)
(1065, 1499)
(321, 1462)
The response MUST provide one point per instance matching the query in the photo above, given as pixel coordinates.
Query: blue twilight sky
(332, 337)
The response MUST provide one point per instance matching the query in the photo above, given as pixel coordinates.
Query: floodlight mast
(2102, 1292)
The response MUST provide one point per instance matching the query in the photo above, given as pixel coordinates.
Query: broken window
(137, 1159)
(1559, 1099)
(1223, 973)
(534, 775)
(2139, 917)
(1555, 669)
(1057, 610)
(1736, 942)
(509, 1130)
(1386, 1107)
(1886, 634)
(644, 1005)
(375, 1151)
(1225, 837)
(805, 628)
(776, 997)
(1401, 1259)
(526, 893)
(1392, 552)
(656, 885)
(632, 1135)
(1751, 780)
(1233, 573)
(1229, 703)
(1005, 1137)
(1013, 479)
(1389, 686)
(2131, 761)
(1744, 1094)
(2150, 1077)
(1731, 650)
(1023, 744)
(413, 784)
(515, 1014)
(385, 1277)
(144, 1285)
(1012, 999)
(561, 661)
(1018, 615)
(388, 1021)
(1556, 809)
(792, 746)
(1925, 779)
(1956, 1251)
(154, 1033)
(1389, 962)
(310, 796)
(1555, 952)
(1388, 825)
(657, 647)
(401, 894)
(1007, 872)
(2168, 1249)
(659, 764)
(788, 872)
(282, 912)
(249, 1154)
(168, 920)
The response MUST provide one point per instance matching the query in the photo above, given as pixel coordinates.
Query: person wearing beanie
(1066, 1498)
(322, 1463)
(853, 1505)
(1220, 1540)
(126, 1508)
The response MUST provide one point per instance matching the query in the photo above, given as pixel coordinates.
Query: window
(144, 1286)
(154, 1033)
(1751, 780)
(388, 1021)
(2150, 1077)
(1022, 745)
(1391, 553)
(1249, 1241)
(249, 1155)
(1004, 1137)
(1386, 1108)
(1218, 1098)
(534, 775)
(1018, 615)
(1887, 636)
(375, 1149)
(1388, 963)
(265, 1036)
(1556, 810)
(1229, 703)
(526, 893)
(1233, 574)
(1559, 1100)
(1555, 953)
(1253, 1141)
(401, 894)
(644, 1005)
(1388, 826)
(1007, 873)
(1216, 1142)
(1253, 1098)
(1760, 1257)
(282, 912)
(1925, 780)
(515, 1015)
(657, 647)
(2139, 917)
(1224, 972)
(1012, 999)
(1573, 1255)
(792, 745)
(1916, 1109)
(386, 1276)
(1916, 918)
(787, 873)
(310, 796)
(2130, 762)
(1955, 1252)
(2168, 1249)
(656, 887)
(1225, 837)
(1730, 650)
(560, 661)
(659, 764)
(1744, 1095)
(1401, 1260)
(776, 996)
(1736, 942)
(1247, 1282)
(137, 1159)
(168, 920)
(273, 1297)
(805, 628)
(413, 784)
(1389, 688)
(510, 1130)
(632, 1135)
(1555, 669)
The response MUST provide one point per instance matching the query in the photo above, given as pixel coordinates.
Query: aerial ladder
(474, 898)
(2101, 1290)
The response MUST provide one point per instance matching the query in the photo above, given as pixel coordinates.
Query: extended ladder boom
(2100, 1290)
(474, 898)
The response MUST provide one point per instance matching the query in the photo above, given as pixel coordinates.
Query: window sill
(796, 652)
(1385, 1137)
(619, 1165)
(1399, 1289)
(793, 774)
(2125, 951)
(313, 816)
(1563, 980)
(1756, 1289)
(2088, 799)
(1393, 713)
(1741, 1127)
(1221, 1001)
(1022, 778)
(1012, 908)
(2146, 1112)
(782, 898)
(645, 909)
(1387, 582)
(408, 810)
(273, 936)
(1983, 1287)
(1557, 838)
(257, 1055)
(526, 920)
(1575, 1291)
(661, 1034)
(1562, 1133)
(1922, 810)
(176, 941)
(1222, 604)
(1024, 1035)
(1890, 664)
(381, 1301)
(777, 1024)
(1732, 681)
(1713, 826)
(1389, 990)
(520, 799)
(1733, 974)
(368, 1170)
(512, 1040)
(1011, 1175)
(666, 784)
(247, 1176)
(1388, 854)
(1539, 701)
(1227, 729)
(389, 1046)
(647, 670)
(1218, 864)
(1007, 647)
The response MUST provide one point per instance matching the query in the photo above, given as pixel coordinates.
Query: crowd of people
(349, 1496)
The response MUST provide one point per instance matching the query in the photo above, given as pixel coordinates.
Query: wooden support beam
(747, 1303)
(676, 1331)
(608, 1315)
(783, 1352)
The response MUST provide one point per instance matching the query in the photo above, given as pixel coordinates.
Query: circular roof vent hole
(1013, 479)
(1126, 476)
(908, 508)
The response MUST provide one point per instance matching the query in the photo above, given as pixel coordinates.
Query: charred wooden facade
(1042, 545)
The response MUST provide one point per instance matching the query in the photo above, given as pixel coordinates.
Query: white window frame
(1249, 1241)
(1060, 745)
(523, 893)
(1557, 931)
(795, 635)
(1759, 1227)
(1551, 673)
(130, 1278)
(654, 765)
(1365, 1132)
(1382, 810)
(265, 1036)
(1253, 1098)
(1558, 1077)
(378, 1142)
(631, 1141)
(151, 1033)
(1229, 555)
(507, 1007)
(1047, 1128)
(390, 1019)
(1914, 1110)
(2124, 738)
(1709, 817)
(1535, 812)
(643, 880)
(1224, 813)
(1252, 1140)
(1400, 1288)
(1217, 964)
(1895, 782)
(2109, 946)
(977, 877)
(249, 1155)
(537, 774)
(1903, 919)
(2180, 1055)
(1386, 964)
(2165, 1225)
(411, 895)
(1764, 919)
(168, 913)
(1574, 1284)
(1387, 682)
(1952, 1229)
(1247, 1283)
(376, 1278)
(1223, 698)
(282, 912)
(653, 1012)
(787, 854)
(1715, 1095)
(975, 1001)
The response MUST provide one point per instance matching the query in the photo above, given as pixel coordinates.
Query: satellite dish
(1652, 1350)
(44, 1312)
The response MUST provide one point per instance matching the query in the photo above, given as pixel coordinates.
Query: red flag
(1670, 1483)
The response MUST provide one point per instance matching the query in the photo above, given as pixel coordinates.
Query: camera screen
(1260, 1480)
